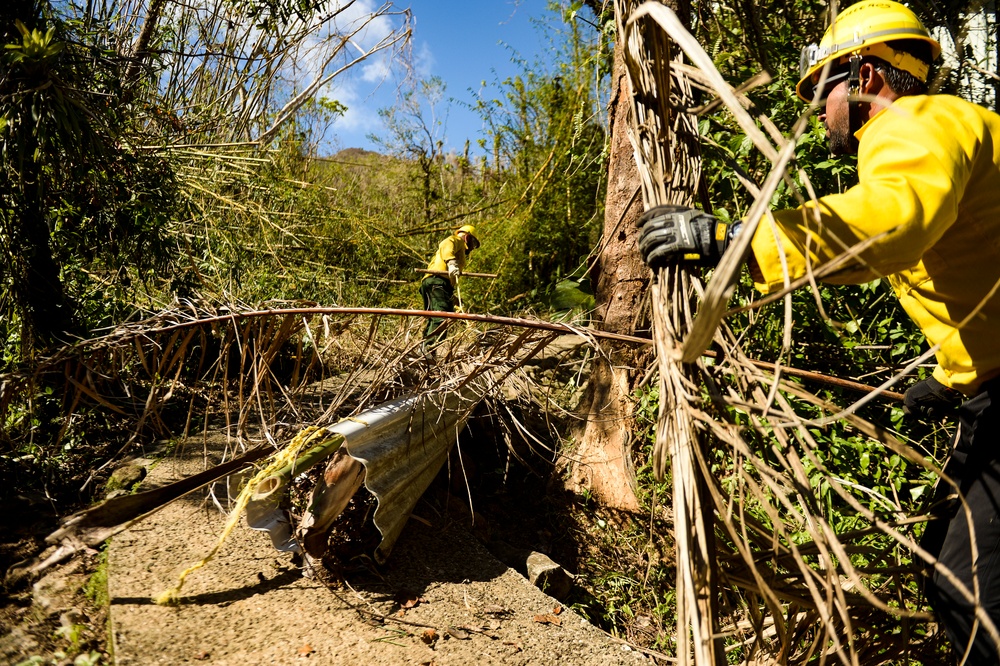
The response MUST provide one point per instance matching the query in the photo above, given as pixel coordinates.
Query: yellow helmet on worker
(863, 29)
(472, 241)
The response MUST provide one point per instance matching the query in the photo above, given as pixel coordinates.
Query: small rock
(458, 632)
(125, 477)
(56, 591)
(548, 576)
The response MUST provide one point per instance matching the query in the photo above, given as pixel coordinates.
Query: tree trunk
(47, 313)
(603, 463)
(140, 48)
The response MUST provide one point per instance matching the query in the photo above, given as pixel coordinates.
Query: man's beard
(841, 137)
(842, 141)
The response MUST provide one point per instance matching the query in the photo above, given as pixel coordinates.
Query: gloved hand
(932, 400)
(669, 234)
(453, 272)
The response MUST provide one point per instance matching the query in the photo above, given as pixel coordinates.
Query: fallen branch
(92, 526)
(445, 273)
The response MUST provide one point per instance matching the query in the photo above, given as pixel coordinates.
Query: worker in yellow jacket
(438, 288)
(927, 207)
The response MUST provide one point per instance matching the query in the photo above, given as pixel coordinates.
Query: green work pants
(438, 294)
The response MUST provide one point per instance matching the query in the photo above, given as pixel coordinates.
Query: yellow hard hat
(472, 241)
(863, 29)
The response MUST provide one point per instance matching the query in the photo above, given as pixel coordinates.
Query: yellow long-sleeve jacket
(929, 199)
(451, 248)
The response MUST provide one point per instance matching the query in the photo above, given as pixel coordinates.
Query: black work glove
(669, 234)
(930, 399)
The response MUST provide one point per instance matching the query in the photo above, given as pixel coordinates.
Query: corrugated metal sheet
(403, 444)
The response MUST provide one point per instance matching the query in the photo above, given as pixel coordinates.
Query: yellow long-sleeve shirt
(929, 197)
(451, 248)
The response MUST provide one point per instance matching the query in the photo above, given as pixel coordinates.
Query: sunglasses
(832, 81)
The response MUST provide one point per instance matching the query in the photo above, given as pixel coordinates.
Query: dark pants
(438, 294)
(975, 467)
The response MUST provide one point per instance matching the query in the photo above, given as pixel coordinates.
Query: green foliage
(96, 588)
(572, 299)
(36, 51)
(630, 587)
(276, 14)
(83, 215)
(350, 229)
(547, 145)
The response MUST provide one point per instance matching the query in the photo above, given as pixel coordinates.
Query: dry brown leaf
(548, 618)
(557, 610)
(410, 602)
(429, 636)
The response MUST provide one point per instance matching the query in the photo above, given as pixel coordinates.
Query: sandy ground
(442, 598)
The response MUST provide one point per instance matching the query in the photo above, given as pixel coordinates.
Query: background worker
(437, 289)
(928, 202)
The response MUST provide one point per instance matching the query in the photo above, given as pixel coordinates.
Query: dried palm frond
(255, 368)
(268, 374)
(762, 564)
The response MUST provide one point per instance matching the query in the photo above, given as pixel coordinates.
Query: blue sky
(464, 43)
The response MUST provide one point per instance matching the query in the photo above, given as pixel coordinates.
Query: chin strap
(854, 93)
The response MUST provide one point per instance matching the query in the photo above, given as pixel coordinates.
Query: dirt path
(251, 606)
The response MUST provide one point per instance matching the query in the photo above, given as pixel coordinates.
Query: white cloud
(371, 85)
(359, 12)
(377, 69)
(362, 102)
(424, 61)
(355, 119)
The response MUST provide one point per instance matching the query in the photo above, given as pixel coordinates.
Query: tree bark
(48, 314)
(140, 49)
(603, 463)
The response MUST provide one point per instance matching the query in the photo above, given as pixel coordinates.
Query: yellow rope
(282, 458)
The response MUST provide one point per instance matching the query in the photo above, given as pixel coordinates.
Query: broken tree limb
(719, 290)
(236, 317)
(665, 145)
(92, 526)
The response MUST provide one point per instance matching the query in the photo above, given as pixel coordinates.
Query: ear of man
(876, 93)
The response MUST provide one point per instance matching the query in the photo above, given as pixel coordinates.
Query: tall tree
(42, 116)
(603, 464)
(604, 460)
